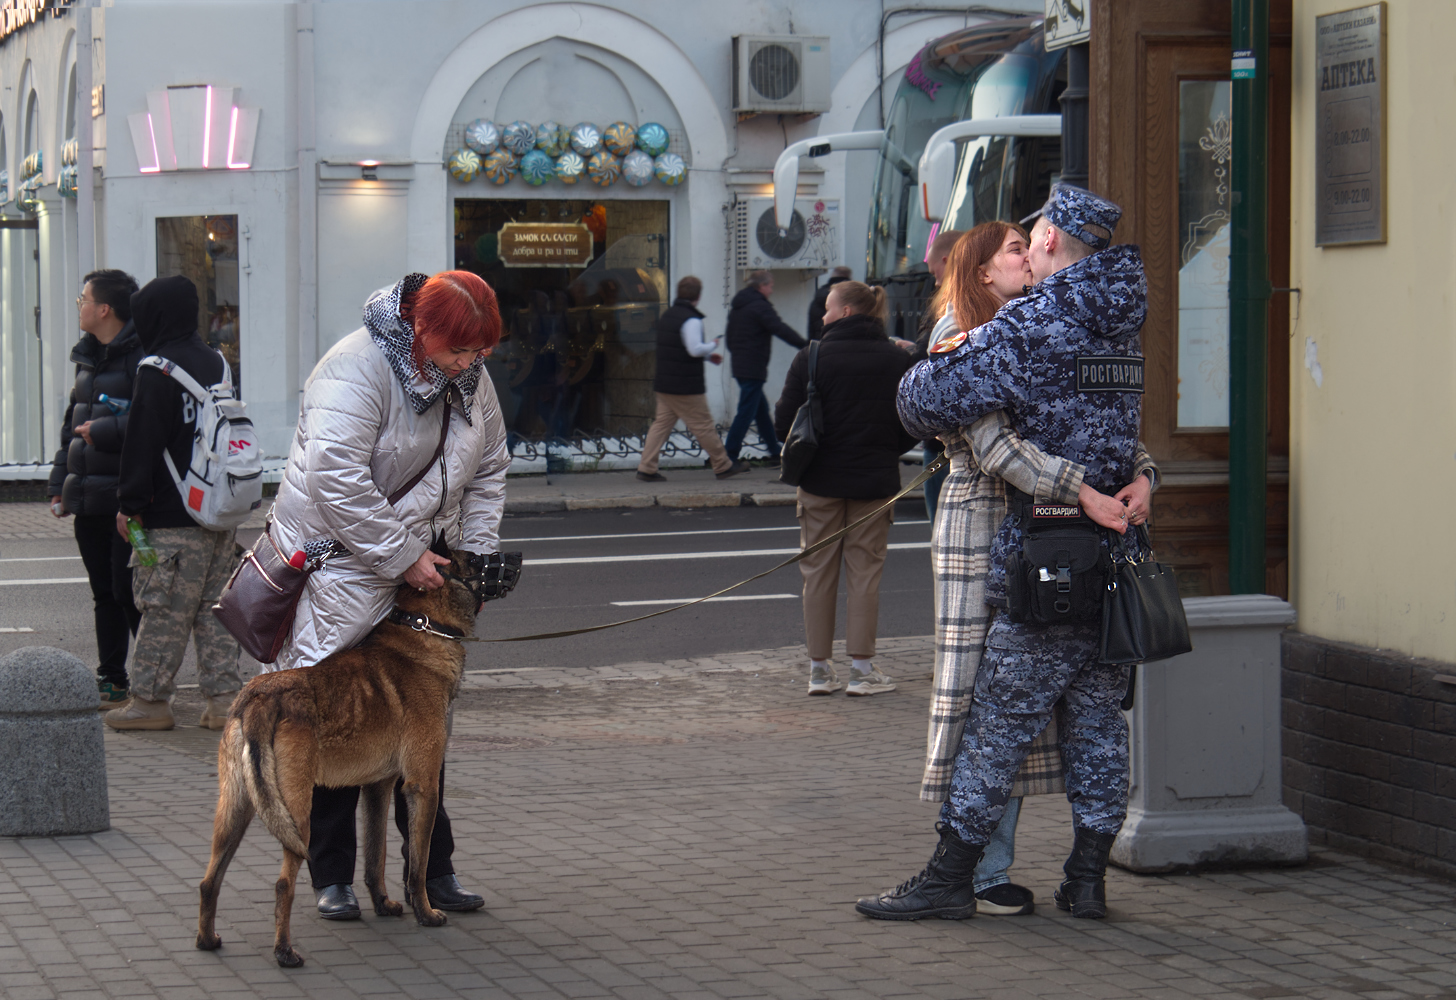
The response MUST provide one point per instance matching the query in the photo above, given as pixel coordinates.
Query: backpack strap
(175, 370)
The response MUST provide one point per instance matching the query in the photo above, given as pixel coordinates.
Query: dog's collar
(422, 623)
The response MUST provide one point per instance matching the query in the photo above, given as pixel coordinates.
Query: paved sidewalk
(691, 830)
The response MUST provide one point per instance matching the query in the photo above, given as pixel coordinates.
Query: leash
(818, 546)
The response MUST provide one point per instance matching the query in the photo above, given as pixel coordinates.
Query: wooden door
(1160, 148)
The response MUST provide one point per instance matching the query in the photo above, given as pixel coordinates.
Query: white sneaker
(868, 682)
(823, 680)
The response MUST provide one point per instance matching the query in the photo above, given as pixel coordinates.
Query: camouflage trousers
(176, 598)
(1025, 671)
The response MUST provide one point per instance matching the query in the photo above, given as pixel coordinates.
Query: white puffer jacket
(358, 440)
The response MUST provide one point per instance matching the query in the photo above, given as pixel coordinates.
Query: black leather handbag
(1142, 614)
(804, 433)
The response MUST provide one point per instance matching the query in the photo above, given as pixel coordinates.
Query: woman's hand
(422, 575)
(1137, 497)
(1105, 510)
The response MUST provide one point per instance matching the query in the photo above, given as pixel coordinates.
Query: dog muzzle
(491, 576)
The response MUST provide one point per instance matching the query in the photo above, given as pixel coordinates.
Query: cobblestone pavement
(691, 829)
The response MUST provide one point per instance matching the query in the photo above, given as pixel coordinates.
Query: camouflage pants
(176, 598)
(1026, 669)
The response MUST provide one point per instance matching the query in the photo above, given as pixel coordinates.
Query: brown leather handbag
(259, 603)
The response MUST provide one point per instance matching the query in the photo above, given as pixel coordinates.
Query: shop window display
(578, 355)
(204, 248)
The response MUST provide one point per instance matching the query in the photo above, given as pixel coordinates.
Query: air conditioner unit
(785, 73)
(813, 239)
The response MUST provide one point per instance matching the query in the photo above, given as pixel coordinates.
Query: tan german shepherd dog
(364, 716)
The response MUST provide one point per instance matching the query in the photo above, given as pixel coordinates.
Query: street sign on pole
(1068, 22)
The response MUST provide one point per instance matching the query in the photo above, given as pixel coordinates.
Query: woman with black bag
(855, 469)
(404, 393)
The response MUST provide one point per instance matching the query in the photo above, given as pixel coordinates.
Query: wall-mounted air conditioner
(812, 240)
(783, 73)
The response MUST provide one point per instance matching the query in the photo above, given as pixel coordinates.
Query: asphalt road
(578, 565)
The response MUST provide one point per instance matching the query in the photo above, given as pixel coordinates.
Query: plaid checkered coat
(971, 507)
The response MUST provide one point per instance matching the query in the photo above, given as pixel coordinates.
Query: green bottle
(146, 555)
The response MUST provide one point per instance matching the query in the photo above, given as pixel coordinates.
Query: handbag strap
(399, 494)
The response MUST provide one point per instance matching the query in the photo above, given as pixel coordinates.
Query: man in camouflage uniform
(1044, 359)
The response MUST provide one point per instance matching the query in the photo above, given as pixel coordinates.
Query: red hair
(970, 300)
(454, 309)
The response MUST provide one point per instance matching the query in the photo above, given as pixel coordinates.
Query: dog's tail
(252, 745)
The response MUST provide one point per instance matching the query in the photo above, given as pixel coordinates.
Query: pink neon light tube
(156, 159)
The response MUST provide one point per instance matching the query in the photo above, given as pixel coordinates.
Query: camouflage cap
(1080, 213)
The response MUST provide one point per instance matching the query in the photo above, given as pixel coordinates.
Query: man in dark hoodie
(838, 276)
(193, 564)
(752, 326)
(83, 478)
(1065, 361)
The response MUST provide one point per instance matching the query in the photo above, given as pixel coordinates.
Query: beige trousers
(693, 412)
(863, 551)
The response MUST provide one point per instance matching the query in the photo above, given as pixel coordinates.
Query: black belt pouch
(1060, 575)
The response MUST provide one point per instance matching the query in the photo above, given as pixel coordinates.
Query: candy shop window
(580, 285)
(204, 248)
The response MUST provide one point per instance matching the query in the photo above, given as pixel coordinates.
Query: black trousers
(105, 554)
(333, 838)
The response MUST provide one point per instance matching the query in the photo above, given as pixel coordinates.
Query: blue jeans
(934, 483)
(752, 407)
(1001, 851)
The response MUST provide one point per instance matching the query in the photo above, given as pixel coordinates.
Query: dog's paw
(430, 918)
(287, 957)
(387, 907)
(208, 942)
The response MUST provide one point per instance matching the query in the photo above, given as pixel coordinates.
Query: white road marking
(664, 534)
(39, 583)
(17, 630)
(38, 558)
(684, 600)
(653, 557)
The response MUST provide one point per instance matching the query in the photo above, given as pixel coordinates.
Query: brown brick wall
(1370, 751)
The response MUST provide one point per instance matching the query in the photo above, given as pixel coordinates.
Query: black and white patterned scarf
(396, 338)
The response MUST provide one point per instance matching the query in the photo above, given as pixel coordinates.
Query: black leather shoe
(338, 902)
(1084, 892)
(446, 893)
(946, 888)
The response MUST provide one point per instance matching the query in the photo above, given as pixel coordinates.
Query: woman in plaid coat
(988, 268)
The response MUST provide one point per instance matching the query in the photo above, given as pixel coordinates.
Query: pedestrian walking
(84, 473)
(376, 410)
(855, 469)
(821, 300)
(988, 267)
(937, 258)
(679, 387)
(192, 563)
(1066, 361)
(752, 326)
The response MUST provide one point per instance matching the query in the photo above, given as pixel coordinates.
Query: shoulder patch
(1109, 373)
(1056, 510)
(949, 343)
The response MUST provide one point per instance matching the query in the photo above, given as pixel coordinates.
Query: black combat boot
(946, 888)
(1083, 892)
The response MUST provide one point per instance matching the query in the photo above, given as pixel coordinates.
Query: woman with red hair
(400, 446)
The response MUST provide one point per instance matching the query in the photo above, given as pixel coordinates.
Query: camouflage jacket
(1064, 361)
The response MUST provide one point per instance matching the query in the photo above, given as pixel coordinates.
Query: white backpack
(224, 481)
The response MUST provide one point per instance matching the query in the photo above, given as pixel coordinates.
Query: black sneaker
(652, 477)
(735, 469)
(1006, 900)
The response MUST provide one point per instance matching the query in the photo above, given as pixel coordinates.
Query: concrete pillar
(1206, 754)
(52, 755)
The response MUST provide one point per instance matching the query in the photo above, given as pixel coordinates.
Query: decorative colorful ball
(500, 167)
(537, 168)
(604, 169)
(464, 165)
(482, 136)
(637, 168)
(552, 139)
(670, 169)
(519, 138)
(619, 138)
(569, 167)
(586, 139)
(652, 139)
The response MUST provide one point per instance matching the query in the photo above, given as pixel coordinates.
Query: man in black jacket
(83, 478)
(821, 300)
(193, 564)
(678, 384)
(752, 325)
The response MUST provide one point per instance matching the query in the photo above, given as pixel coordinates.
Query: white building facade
(291, 158)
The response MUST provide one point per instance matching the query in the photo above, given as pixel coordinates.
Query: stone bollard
(52, 755)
